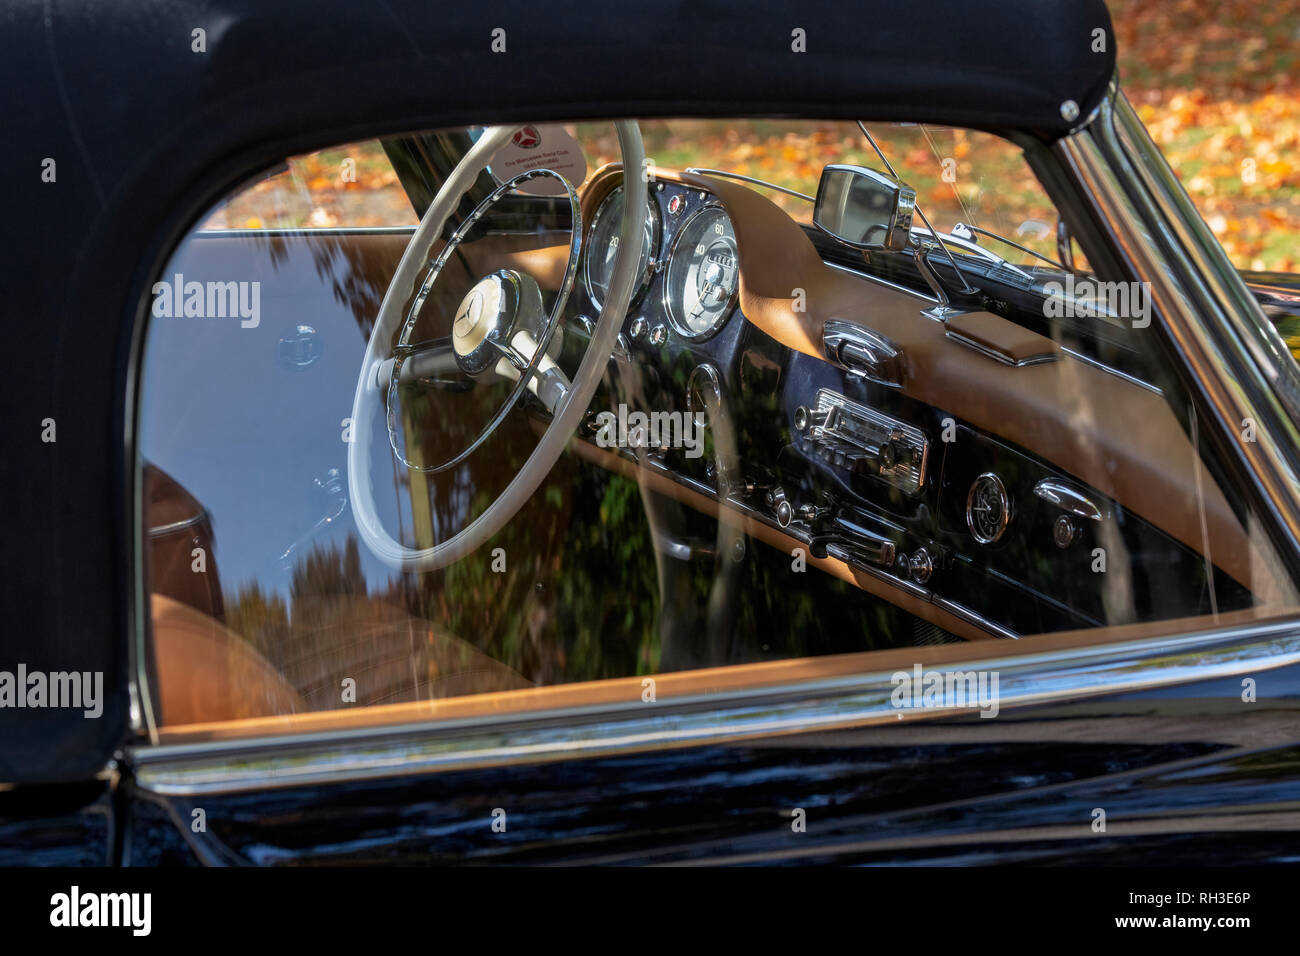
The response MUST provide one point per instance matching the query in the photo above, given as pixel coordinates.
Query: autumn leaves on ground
(1217, 83)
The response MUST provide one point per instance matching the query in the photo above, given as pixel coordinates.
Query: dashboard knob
(1064, 531)
(780, 506)
(921, 565)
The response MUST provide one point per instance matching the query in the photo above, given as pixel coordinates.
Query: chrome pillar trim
(1025, 679)
(1200, 303)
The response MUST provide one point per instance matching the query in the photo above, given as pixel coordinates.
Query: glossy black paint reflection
(57, 826)
(1199, 769)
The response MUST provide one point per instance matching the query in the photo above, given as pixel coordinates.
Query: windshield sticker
(541, 147)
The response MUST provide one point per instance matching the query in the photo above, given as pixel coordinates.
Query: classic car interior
(824, 427)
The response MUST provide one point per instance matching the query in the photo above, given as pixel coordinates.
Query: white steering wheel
(499, 329)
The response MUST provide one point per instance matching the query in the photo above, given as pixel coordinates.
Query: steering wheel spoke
(431, 364)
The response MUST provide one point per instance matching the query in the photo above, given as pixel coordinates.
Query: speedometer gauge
(603, 246)
(703, 277)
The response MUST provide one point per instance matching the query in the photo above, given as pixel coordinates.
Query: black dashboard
(907, 494)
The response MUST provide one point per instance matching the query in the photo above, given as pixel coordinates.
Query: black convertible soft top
(145, 132)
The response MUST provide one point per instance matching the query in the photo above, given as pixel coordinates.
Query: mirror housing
(863, 208)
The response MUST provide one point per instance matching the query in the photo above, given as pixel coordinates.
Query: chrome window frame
(1233, 361)
(1042, 677)
(1236, 362)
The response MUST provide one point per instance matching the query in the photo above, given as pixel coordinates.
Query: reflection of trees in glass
(579, 600)
(259, 617)
(320, 630)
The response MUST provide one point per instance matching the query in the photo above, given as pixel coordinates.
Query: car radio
(863, 441)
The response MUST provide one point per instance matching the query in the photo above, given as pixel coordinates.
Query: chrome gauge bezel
(682, 328)
(652, 260)
(1004, 500)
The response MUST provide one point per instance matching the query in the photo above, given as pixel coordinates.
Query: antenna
(966, 287)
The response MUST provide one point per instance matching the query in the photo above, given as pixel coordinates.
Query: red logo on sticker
(528, 138)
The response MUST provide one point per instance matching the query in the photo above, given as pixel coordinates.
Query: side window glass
(526, 455)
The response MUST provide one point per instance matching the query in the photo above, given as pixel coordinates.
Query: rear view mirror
(864, 208)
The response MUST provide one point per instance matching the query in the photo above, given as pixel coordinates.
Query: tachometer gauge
(602, 246)
(703, 274)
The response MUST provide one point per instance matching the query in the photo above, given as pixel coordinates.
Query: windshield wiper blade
(970, 246)
(1010, 242)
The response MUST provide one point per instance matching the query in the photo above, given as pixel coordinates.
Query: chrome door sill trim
(230, 766)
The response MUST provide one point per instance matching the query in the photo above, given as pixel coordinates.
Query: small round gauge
(602, 246)
(988, 509)
(703, 274)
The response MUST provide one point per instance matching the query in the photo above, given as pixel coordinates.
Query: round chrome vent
(988, 509)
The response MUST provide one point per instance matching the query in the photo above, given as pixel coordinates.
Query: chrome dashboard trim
(1111, 370)
(974, 617)
(1002, 357)
(885, 282)
(1025, 678)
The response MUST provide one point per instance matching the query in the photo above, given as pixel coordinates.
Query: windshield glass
(960, 175)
